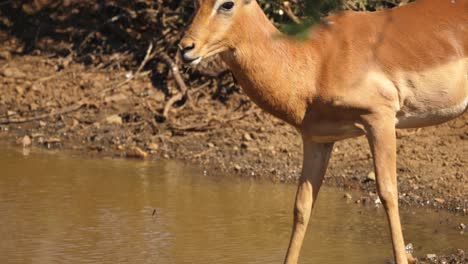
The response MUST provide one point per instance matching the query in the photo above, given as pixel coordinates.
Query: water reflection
(56, 208)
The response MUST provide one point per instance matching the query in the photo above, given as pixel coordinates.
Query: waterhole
(61, 208)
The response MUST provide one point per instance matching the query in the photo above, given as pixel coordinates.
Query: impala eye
(227, 6)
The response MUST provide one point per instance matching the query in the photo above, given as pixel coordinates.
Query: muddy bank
(111, 113)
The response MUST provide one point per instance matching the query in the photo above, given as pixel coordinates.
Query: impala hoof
(411, 259)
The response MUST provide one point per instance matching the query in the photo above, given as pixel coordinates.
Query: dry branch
(210, 124)
(61, 111)
(180, 83)
(290, 13)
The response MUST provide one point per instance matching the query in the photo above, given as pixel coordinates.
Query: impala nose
(186, 47)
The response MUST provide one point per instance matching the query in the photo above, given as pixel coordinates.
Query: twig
(208, 125)
(169, 103)
(175, 72)
(290, 13)
(47, 78)
(148, 57)
(204, 152)
(180, 83)
(62, 111)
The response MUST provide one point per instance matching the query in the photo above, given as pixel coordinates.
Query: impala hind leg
(382, 141)
(314, 165)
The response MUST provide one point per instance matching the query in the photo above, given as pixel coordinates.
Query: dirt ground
(52, 101)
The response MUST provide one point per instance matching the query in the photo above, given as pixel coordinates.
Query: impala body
(360, 73)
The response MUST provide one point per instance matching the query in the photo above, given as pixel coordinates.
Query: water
(57, 208)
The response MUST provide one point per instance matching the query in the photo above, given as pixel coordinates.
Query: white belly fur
(433, 96)
(412, 120)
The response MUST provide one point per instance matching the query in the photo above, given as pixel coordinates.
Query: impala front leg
(314, 165)
(382, 141)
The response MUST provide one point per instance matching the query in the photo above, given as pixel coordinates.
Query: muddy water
(57, 208)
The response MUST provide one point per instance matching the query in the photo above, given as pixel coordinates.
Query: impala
(360, 73)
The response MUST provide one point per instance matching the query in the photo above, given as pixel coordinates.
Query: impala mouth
(196, 61)
(191, 60)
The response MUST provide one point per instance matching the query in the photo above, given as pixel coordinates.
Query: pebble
(13, 73)
(115, 98)
(371, 176)
(153, 146)
(42, 123)
(237, 167)
(431, 256)
(26, 141)
(73, 124)
(462, 226)
(347, 196)
(377, 201)
(51, 142)
(6, 55)
(211, 145)
(247, 137)
(114, 119)
(409, 248)
(136, 152)
(19, 89)
(439, 200)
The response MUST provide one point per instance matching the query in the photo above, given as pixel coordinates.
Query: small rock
(439, 200)
(42, 123)
(33, 106)
(19, 89)
(237, 167)
(115, 98)
(409, 248)
(377, 201)
(73, 124)
(431, 256)
(13, 73)
(462, 226)
(129, 75)
(5, 55)
(371, 176)
(211, 145)
(52, 142)
(347, 196)
(136, 152)
(26, 141)
(153, 146)
(114, 119)
(10, 113)
(247, 137)
(244, 145)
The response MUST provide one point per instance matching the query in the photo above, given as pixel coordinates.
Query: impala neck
(270, 67)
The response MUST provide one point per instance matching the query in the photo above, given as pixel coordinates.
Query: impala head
(211, 30)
